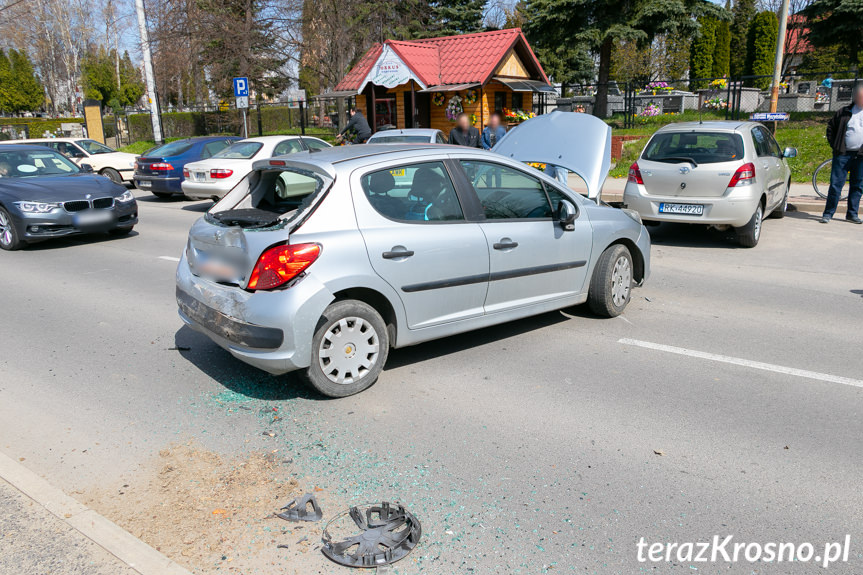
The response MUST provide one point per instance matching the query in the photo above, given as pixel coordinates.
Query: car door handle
(395, 254)
(505, 244)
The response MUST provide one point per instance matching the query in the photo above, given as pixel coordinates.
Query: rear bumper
(203, 191)
(734, 208)
(272, 331)
(161, 184)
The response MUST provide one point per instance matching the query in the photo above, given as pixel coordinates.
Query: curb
(104, 533)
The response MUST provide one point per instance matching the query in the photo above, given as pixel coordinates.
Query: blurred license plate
(144, 184)
(686, 209)
(200, 176)
(93, 218)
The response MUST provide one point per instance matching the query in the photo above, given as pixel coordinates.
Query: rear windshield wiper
(676, 159)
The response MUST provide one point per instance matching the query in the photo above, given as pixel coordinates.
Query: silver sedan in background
(408, 136)
(725, 174)
(372, 247)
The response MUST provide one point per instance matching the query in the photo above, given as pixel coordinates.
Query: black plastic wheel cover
(387, 534)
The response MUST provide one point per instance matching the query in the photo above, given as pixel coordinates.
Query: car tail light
(219, 173)
(277, 163)
(161, 167)
(744, 176)
(635, 174)
(185, 173)
(281, 264)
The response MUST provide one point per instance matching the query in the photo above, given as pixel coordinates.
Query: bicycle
(821, 179)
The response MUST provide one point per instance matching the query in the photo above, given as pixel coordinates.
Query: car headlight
(632, 214)
(37, 207)
(126, 197)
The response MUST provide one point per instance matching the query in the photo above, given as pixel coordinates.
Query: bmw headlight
(126, 197)
(632, 214)
(37, 207)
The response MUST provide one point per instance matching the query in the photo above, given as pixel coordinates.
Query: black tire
(371, 334)
(163, 195)
(9, 239)
(121, 231)
(610, 291)
(779, 212)
(112, 175)
(748, 235)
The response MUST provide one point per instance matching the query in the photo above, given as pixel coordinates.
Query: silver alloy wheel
(621, 281)
(348, 350)
(5, 229)
(759, 215)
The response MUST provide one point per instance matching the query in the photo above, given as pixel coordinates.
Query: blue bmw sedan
(160, 170)
(44, 195)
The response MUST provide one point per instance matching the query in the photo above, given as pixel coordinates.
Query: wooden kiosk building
(413, 84)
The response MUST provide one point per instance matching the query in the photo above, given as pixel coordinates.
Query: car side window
(507, 193)
(417, 193)
(287, 147)
(555, 196)
(440, 139)
(772, 146)
(762, 148)
(315, 145)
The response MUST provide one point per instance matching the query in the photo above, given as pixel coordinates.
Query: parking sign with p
(241, 87)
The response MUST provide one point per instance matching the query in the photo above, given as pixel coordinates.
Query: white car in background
(116, 166)
(214, 177)
(408, 136)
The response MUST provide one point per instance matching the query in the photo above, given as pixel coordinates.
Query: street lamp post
(155, 117)
(780, 52)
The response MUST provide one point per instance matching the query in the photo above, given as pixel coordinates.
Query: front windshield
(240, 151)
(33, 164)
(400, 140)
(93, 147)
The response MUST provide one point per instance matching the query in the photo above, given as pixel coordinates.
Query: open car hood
(581, 143)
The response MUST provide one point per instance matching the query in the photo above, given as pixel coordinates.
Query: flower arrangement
(716, 104)
(438, 99)
(718, 84)
(650, 110)
(454, 108)
(655, 87)
(470, 97)
(517, 116)
(473, 119)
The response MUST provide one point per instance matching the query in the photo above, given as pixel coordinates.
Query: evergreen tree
(99, 76)
(6, 83)
(743, 13)
(453, 17)
(837, 23)
(761, 48)
(701, 52)
(20, 88)
(593, 26)
(722, 53)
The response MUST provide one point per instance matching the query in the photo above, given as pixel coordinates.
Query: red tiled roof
(464, 59)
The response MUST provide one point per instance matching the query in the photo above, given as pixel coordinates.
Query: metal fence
(733, 98)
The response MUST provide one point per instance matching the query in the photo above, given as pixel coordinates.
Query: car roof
(18, 147)
(338, 154)
(711, 126)
(408, 132)
(53, 140)
(265, 139)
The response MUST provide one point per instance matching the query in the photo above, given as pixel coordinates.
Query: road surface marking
(744, 362)
(169, 258)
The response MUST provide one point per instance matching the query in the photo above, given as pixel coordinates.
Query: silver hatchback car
(376, 247)
(725, 174)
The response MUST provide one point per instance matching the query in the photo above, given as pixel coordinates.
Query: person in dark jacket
(493, 132)
(357, 125)
(845, 136)
(464, 134)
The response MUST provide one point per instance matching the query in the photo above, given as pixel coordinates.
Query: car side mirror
(86, 168)
(566, 214)
(789, 153)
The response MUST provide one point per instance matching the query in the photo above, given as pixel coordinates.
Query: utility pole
(155, 116)
(780, 52)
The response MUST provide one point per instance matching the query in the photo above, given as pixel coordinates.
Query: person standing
(493, 132)
(845, 136)
(358, 125)
(464, 134)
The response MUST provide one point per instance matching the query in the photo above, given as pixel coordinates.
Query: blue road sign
(770, 116)
(241, 87)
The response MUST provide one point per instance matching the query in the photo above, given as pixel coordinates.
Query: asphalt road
(545, 445)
